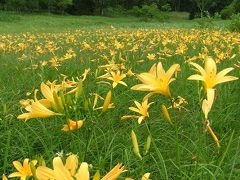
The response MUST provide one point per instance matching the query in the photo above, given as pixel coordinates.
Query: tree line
(101, 7)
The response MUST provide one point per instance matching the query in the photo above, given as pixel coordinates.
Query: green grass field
(41, 48)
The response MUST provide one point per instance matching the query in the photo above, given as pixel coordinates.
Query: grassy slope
(10, 22)
(20, 140)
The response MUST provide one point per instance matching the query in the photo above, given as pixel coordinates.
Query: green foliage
(117, 11)
(227, 12)
(148, 12)
(231, 9)
(204, 22)
(9, 17)
(235, 23)
(166, 7)
(62, 5)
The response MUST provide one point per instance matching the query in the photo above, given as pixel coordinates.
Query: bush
(204, 22)
(9, 17)
(227, 12)
(235, 23)
(148, 12)
(114, 11)
(166, 8)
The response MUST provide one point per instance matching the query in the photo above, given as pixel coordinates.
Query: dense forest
(197, 8)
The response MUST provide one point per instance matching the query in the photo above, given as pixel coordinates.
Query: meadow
(75, 87)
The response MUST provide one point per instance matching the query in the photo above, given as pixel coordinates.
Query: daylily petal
(146, 176)
(226, 79)
(83, 173)
(222, 73)
(171, 71)
(45, 173)
(15, 174)
(199, 68)
(196, 77)
(60, 172)
(72, 164)
(18, 166)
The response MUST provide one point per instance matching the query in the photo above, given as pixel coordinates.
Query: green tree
(62, 5)
(204, 5)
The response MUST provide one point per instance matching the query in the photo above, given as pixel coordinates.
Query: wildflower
(141, 109)
(116, 77)
(156, 80)
(72, 125)
(114, 173)
(61, 171)
(36, 110)
(151, 57)
(178, 103)
(209, 74)
(23, 170)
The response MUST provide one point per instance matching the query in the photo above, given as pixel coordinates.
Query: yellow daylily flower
(67, 172)
(23, 170)
(141, 109)
(116, 77)
(72, 125)
(151, 56)
(156, 80)
(209, 74)
(36, 110)
(114, 173)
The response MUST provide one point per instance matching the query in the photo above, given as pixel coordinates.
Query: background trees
(99, 7)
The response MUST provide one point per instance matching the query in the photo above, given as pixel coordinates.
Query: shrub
(235, 23)
(9, 17)
(227, 12)
(148, 12)
(114, 11)
(166, 7)
(204, 22)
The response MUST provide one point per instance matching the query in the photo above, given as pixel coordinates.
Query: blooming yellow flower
(151, 57)
(67, 172)
(209, 74)
(156, 80)
(72, 125)
(116, 77)
(23, 170)
(36, 110)
(141, 109)
(114, 173)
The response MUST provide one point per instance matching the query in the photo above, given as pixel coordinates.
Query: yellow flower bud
(166, 115)
(148, 144)
(107, 101)
(135, 144)
(97, 175)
